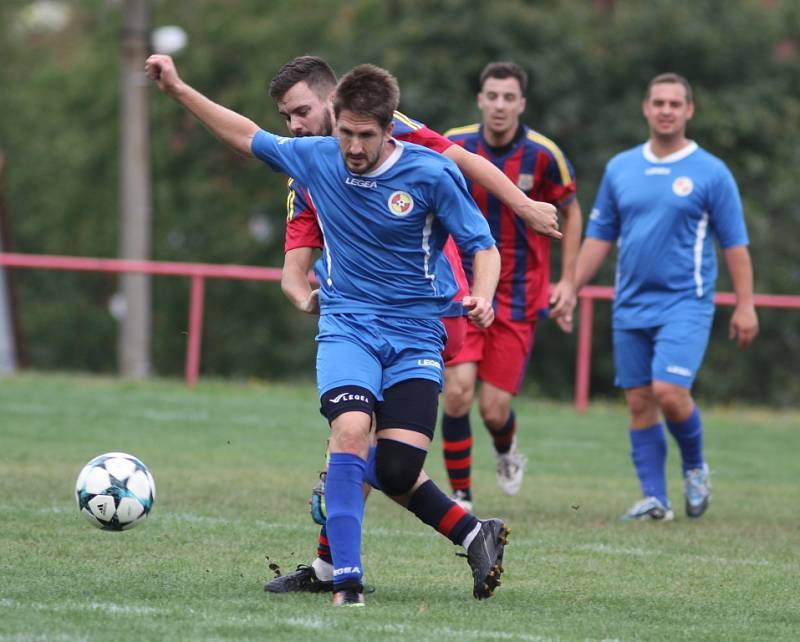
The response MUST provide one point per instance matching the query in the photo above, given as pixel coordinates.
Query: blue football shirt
(664, 213)
(383, 231)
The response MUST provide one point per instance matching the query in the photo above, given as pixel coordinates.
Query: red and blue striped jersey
(540, 169)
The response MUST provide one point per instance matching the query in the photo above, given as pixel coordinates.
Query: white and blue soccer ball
(115, 491)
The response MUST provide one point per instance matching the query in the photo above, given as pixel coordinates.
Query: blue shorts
(377, 352)
(672, 352)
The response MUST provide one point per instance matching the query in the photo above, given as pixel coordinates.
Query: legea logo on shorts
(679, 370)
(348, 396)
(401, 203)
(682, 186)
(433, 363)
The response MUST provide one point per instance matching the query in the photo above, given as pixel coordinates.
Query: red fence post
(584, 358)
(195, 329)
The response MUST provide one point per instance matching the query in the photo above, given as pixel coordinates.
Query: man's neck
(500, 140)
(663, 147)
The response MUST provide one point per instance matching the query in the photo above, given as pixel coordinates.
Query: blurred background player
(380, 334)
(661, 203)
(498, 355)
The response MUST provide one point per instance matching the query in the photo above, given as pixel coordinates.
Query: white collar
(682, 153)
(386, 165)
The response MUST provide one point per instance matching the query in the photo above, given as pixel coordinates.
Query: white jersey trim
(325, 246)
(648, 154)
(702, 229)
(426, 248)
(386, 165)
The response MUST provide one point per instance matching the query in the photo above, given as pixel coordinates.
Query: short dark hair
(312, 70)
(370, 91)
(502, 70)
(674, 78)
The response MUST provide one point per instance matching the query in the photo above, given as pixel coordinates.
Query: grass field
(234, 464)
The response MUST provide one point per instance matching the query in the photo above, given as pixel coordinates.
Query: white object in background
(169, 40)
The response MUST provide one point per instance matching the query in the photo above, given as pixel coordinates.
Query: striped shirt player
(539, 168)
(543, 172)
(302, 228)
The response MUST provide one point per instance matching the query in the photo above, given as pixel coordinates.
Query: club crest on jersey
(401, 203)
(525, 182)
(682, 186)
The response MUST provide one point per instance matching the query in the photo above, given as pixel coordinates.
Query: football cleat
(697, 491)
(463, 498)
(302, 580)
(648, 509)
(511, 469)
(317, 501)
(485, 557)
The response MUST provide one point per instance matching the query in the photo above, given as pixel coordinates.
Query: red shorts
(501, 351)
(456, 328)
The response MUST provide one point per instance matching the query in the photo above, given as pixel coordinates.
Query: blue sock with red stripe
(649, 454)
(689, 435)
(457, 449)
(436, 509)
(344, 500)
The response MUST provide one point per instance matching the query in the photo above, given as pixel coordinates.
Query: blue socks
(689, 435)
(371, 472)
(344, 501)
(649, 454)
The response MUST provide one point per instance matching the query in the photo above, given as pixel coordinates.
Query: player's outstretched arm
(541, 217)
(485, 274)
(294, 280)
(562, 298)
(231, 128)
(744, 322)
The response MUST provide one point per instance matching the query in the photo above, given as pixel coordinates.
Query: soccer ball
(115, 491)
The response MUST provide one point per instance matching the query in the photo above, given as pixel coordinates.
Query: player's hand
(479, 310)
(310, 305)
(743, 327)
(162, 70)
(541, 217)
(562, 300)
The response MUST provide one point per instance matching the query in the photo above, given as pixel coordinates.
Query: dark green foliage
(589, 63)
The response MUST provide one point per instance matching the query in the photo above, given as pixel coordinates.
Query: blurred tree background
(589, 63)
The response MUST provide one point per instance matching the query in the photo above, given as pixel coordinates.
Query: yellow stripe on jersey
(290, 201)
(466, 129)
(406, 120)
(536, 137)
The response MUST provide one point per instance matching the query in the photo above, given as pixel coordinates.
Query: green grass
(234, 464)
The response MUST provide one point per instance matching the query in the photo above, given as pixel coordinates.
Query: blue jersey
(383, 231)
(663, 214)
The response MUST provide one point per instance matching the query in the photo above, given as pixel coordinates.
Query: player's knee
(494, 416)
(674, 401)
(457, 397)
(641, 401)
(398, 466)
(495, 409)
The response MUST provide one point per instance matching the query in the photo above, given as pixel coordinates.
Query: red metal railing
(199, 272)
